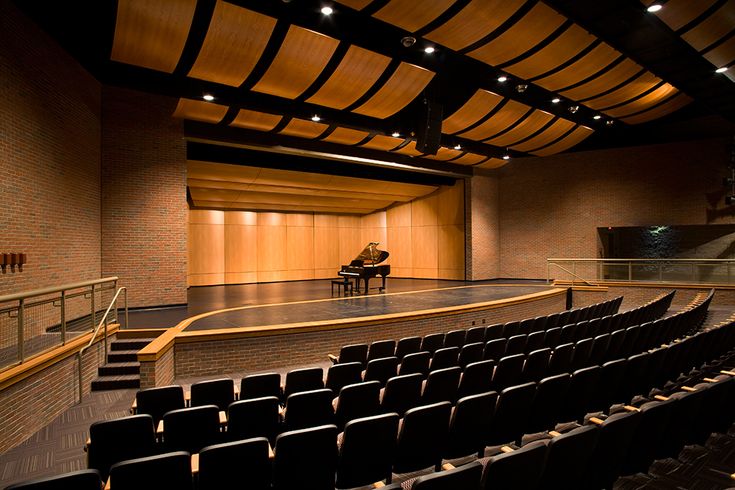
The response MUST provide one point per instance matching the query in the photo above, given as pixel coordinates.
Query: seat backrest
(521, 468)
(190, 429)
(493, 332)
(516, 344)
(524, 327)
(402, 393)
(380, 349)
(475, 334)
(422, 437)
(617, 337)
(168, 470)
(220, 392)
(159, 400)
(112, 441)
(568, 333)
(561, 359)
(598, 354)
(306, 457)
(78, 480)
(469, 423)
(616, 433)
(535, 341)
(356, 401)
(367, 450)
(582, 390)
(511, 414)
(476, 378)
(455, 338)
(353, 353)
(581, 356)
(381, 369)
(418, 362)
(343, 374)
(552, 321)
(552, 336)
(432, 342)
(644, 447)
(536, 365)
(612, 377)
(635, 378)
(567, 458)
(309, 409)
(548, 402)
(229, 464)
(254, 417)
(470, 353)
(466, 477)
(260, 385)
(511, 328)
(495, 349)
(539, 324)
(305, 379)
(407, 345)
(444, 358)
(441, 385)
(508, 371)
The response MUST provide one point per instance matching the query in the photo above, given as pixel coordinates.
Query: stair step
(123, 356)
(118, 382)
(130, 344)
(119, 368)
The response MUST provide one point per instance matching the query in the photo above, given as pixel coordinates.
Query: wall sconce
(11, 260)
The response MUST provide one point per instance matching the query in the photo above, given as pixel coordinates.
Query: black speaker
(429, 129)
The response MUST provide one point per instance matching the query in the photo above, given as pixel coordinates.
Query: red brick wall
(144, 197)
(482, 227)
(552, 206)
(49, 159)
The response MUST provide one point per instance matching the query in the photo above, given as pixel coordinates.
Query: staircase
(122, 369)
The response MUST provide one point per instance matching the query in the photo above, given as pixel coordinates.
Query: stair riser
(116, 357)
(129, 344)
(104, 385)
(117, 370)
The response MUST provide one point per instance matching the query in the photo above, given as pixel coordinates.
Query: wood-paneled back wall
(425, 239)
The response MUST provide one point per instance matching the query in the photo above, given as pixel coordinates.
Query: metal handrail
(102, 322)
(55, 289)
(548, 274)
(660, 263)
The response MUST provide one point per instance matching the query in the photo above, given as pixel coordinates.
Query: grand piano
(365, 266)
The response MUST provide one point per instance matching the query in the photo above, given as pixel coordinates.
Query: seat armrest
(195, 463)
(710, 380)
(159, 428)
(688, 388)
(222, 418)
(506, 449)
(134, 406)
(333, 358)
(554, 433)
(449, 466)
(237, 392)
(107, 484)
(631, 408)
(661, 398)
(729, 373)
(596, 421)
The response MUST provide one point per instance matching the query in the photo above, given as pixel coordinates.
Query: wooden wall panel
(399, 215)
(401, 251)
(206, 246)
(271, 250)
(450, 243)
(240, 249)
(424, 211)
(424, 248)
(300, 250)
(350, 246)
(450, 204)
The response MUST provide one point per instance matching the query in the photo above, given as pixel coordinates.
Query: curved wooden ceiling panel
(445, 154)
(478, 19)
(381, 142)
(646, 81)
(409, 149)
(557, 52)
(356, 4)
(404, 14)
(346, 136)
(723, 54)
(675, 103)
(356, 73)
(303, 128)
(649, 100)
(401, 88)
(679, 13)
(470, 159)
(511, 112)
(493, 163)
(616, 75)
(718, 25)
(235, 41)
(552, 133)
(479, 105)
(152, 34)
(530, 125)
(577, 136)
(299, 62)
(255, 120)
(198, 110)
(591, 63)
(538, 24)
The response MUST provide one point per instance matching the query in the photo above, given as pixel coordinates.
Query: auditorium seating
(168, 470)
(260, 385)
(367, 450)
(230, 464)
(112, 441)
(254, 417)
(305, 458)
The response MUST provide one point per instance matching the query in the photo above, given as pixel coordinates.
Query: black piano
(365, 266)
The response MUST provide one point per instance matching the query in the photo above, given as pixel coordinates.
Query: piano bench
(342, 283)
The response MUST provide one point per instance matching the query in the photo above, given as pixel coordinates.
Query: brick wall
(552, 206)
(482, 227)
(144, 208)
(49, 159)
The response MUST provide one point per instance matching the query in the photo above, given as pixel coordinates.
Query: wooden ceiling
(507, 78)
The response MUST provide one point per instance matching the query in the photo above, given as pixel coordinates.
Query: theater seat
(112, 441)
(367, 450)
(256, 417)
(168, 470)
(305, 379)
(465, 477)
(520, 468)
(422, 438)
(306, 458)
(159, 400)
(260, 385)
(229, 464)
(220, 392)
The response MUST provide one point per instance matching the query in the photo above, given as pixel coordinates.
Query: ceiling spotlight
(609, 122)
(555, 100)
(502, 78)
(457, 147)
(506, 157)
(396, 134)
(521, 87)
(327, 10)
(408, 41)
(597, 117)
(429, 49)
(654, 8)
(316, 118)
(573, 109)
(721, 69)
(208, 97)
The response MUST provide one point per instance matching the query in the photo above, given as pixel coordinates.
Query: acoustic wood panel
(450, 204)
(716, 26)
(199, 110)
(493, 163)
(350, 244)
(376, 234)
(537, 120)
(470, 159)
(299, 61)
(235, 41)
(539, 23)
(479, 105)
(373, 220)
(647, 101)
(445, 154)
(613, 77)
(511, 112)
(425, 250)
(425, 211)
(679, 13)
(450, 244)
(475, 21)
(355, 74)
(409, 149)
(300, 219)
(240, 218)
(232, 205)
(399, 215)
(356, 4)
(635, 88)
(151, 34)
(272, 247)
(381, 142)
(300, 250)
(675, 103)
(241, 251)
(304, 129)
(397, 92)
(260, 121)
(404, 14)
(723, 54)
(553, 132)
(326, 242)
(594, 61)
(346, 136)
(206, 262)
(401, 251)
(575, 137)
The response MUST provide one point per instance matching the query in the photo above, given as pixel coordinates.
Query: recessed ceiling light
(573, 109)
(655, 7)
(610, 122)
(327, 10)
(555, 100)
(396, 134)
(458, 147)
(597, 117)
(429, 49)
(506, 157)
(721, 69)
(502, 78)
(316, 118)
(208, 97)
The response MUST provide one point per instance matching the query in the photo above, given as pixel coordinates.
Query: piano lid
(370, 255)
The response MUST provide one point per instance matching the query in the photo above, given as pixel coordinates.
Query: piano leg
(382, 288)
(366, 279)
